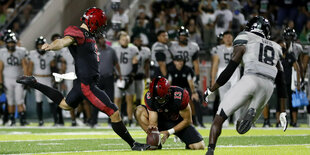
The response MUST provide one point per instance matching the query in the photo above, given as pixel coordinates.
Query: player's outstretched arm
(59, 43)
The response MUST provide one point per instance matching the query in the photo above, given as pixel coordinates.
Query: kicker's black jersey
(85, 53)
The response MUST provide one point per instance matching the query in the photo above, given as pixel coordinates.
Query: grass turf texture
(105, 141)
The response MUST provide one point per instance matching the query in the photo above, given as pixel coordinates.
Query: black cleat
(140, 147)
(267, 124)
(210, 151)
(41, 123)
(245, 124)
(26, 80)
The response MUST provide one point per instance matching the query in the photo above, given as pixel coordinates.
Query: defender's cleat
(140, 147)
(26, 80)
(245, 124)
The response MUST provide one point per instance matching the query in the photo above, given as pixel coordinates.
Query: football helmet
(10, 37)
(289, 34)
(160, 90)
(40, 41)
(260, 26)
(95, 19)
(183, 32)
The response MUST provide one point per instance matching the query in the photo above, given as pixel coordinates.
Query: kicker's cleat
(245, 124)
(140, 147)
(26, 80)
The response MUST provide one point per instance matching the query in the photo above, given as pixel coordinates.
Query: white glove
(206, 94)
(283, 120)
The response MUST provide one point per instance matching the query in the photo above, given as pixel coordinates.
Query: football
(153, 139)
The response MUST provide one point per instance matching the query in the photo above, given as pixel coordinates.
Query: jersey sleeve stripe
(240, 42)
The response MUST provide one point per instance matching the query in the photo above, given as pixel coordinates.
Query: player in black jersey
(168, 110)
(82, 46)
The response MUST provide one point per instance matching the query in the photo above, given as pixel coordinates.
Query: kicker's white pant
(46, 81)
(250, 91)
(14, 91)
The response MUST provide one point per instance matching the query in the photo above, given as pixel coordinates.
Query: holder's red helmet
(95, 19)
(159, 90)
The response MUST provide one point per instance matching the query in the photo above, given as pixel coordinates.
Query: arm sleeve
(227, 73)
(185, 100)
(281, 85)
(76, 33)
(195, 56)
(160, 56)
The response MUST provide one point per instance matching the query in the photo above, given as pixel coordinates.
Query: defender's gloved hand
(283, 120)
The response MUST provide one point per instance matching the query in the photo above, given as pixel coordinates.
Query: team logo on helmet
(260, 26)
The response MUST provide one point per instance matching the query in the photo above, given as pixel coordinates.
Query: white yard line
(68, 139)
(221, 146)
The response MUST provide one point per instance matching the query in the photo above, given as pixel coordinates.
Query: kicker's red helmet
(95, 19)
(159, 90)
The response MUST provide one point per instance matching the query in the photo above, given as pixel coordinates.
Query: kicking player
(40, 66)
(128, 62)
(82, 45)
(166, 108)
(261, 58)
(12, 65)
(143, 68)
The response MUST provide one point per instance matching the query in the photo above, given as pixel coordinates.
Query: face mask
(11, 48)
(184, 42)
(42, 52)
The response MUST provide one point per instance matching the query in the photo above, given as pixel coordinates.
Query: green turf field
(103, 140)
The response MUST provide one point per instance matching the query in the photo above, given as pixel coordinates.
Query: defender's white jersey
(41, 63)
(189, 52)
(162, 48)
(144, 54)
(65, 53)
(125, 56)
(261, 56)
(12, 62)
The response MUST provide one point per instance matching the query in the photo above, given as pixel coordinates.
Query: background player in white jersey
(261, 58)
(12, 65)
(40, 65)
(188, 49)
(143, 69)
(220, 59)
(161, 57)
(128, 61)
